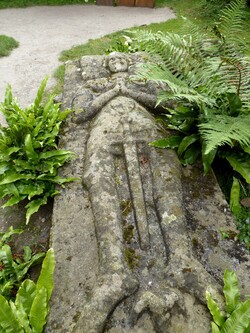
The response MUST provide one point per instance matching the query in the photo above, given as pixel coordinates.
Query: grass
(27, 3)
(7, 44)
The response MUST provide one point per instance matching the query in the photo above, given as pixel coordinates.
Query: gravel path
(43, 32)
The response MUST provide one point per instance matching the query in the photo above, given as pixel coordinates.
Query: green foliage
(27, 3)
(207, 80)
(29, 158)
(235, 197)
(237, 316)
(5, 237)
(123, 44)
(7, 44)
(29, 312)
(240, 193)
(209, 83)
(13, 268)
(222, 130)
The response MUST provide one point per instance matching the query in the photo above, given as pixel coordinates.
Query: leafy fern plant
(29, 311)
(236, 319)
(207, 79)
(13, 268)
(29, 158)
(209, 83)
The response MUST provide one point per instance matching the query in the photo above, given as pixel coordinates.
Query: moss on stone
(126, 207)
(131, 258)
(127, 232)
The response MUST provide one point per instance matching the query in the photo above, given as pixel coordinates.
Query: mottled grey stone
(136, 239)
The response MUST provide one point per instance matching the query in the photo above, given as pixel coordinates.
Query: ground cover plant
(28, 3)
(236, 317)
(14, 267)
(29, 157)
(27, 312)
(7, 44)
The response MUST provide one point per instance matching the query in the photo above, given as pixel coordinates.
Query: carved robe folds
(124, 235)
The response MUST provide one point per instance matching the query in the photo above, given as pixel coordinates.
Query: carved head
(117, 62)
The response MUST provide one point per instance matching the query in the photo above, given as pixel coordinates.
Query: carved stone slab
(136, 239)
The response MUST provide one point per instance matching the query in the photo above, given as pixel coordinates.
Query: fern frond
(223, 129)
(236, 74)
(190, 96)
(177, 52)
(178, 89)
(239, 319)
(40, 94)
(240, 163)
(190, 60)
(231, 20)
(215, 328)
(231, 291)
(162, 74)
(216, 313)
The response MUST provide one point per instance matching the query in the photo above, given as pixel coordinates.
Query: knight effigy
(136, 238)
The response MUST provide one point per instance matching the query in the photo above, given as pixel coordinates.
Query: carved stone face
(117, 63)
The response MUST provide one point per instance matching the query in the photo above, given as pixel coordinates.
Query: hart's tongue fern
(29, 158)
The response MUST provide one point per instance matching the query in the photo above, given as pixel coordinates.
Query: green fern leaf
(8, 322)
(241, 164)
(239, 319)
(207, 159)
(21, 317)
(6, 236)
(39, 310)
(39, 95)
(223, 129)
(186, 142)
(215, 328)
(247, 330)
(12, 177)
(29, 149)
(235, 205)
(45, 279)
(246, 149)
(231, 291)
(178, 89)
(25, 296)
(34, 205)
(8, 99)
(231, 19)
(191, 155)
(217, 315)
(169, 142)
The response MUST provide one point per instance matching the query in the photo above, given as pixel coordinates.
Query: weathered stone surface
(137, 238)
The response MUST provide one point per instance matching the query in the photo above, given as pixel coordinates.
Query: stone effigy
(136, 239)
